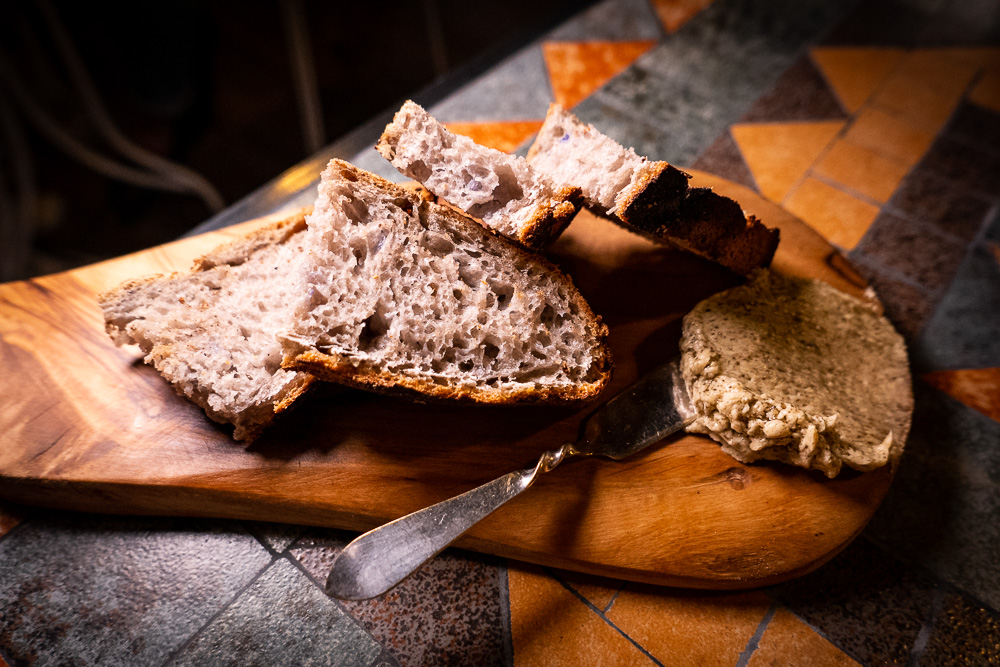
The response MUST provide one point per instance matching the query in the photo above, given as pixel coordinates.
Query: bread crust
(550, 217)
(660, 205)
(358, 373)
(250, 423)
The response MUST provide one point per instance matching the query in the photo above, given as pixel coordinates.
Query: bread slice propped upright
(501, 190)
(212, 333)
(403, 295)
(652, 198)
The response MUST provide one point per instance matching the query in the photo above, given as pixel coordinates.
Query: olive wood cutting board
(87, 426)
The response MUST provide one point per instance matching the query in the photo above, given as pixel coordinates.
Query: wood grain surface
(87, 426)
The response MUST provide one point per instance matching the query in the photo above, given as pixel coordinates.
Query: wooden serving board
(87, 426)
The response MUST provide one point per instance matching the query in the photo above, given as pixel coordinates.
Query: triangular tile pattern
(780, 154)
(856, 73)
(978, 388)
(577, 69)
(504, 136)
(723, 158)
(801, 93)
(675, 13)
(897, 101)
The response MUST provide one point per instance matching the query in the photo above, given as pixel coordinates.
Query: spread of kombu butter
(794, 370)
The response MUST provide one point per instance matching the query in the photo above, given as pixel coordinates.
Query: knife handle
(381, 558)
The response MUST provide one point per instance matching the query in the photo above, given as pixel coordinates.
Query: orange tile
(551, 626)
(689, 628)
(788, 642)
(926, 87)
(978, 388)
(779, 154)
(995, 249)
(856, 73)
(10, 516)
(504, 136)
(599, 591)
(889, 135)
(986, 91)
(861, 170)
(946, 71)
(577, 69)
(675, 13)
(839, 217)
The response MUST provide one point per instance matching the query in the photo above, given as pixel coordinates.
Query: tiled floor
(885, 137)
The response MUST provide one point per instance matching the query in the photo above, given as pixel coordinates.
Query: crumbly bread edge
(335, 368)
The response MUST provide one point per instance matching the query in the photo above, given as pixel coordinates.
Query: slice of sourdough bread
(501, 190)
(212, 333)
(405, 296)
(652, 198)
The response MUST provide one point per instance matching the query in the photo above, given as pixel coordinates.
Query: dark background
(210, 85)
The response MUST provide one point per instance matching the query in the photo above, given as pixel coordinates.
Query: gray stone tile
(919, 253)
(612, 20)
(964, 331)
(963, 631)
(697, 82)
(516, 89)
(446, 613)
(78, 589)
(941, 510)
(277, 536)
(283, 618)
(865, 602)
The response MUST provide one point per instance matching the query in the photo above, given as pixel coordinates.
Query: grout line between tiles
(218, 612)
(755, 639)
(339, 604)
(590, 605)
(505, 618)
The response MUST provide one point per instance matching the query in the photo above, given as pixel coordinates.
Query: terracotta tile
(890, 135)
(947, 71)
(675, 13)
(789, 642)
(448, 612)
(577, 69)
(856, 73)
(864, 599)
(986, 91)
(686, 627)
(779, 154)
(551, 626)
(916, 101)
(801, 93)
(861, 170)
(723, 158)
(10, 516)
(964, 634)
(978, 388)
(503, 136)
(912, 251)
(598, 591)
(839, 217)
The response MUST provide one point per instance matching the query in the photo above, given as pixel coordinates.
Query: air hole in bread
(419, 170)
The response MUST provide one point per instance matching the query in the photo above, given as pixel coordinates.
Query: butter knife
(647, 411)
